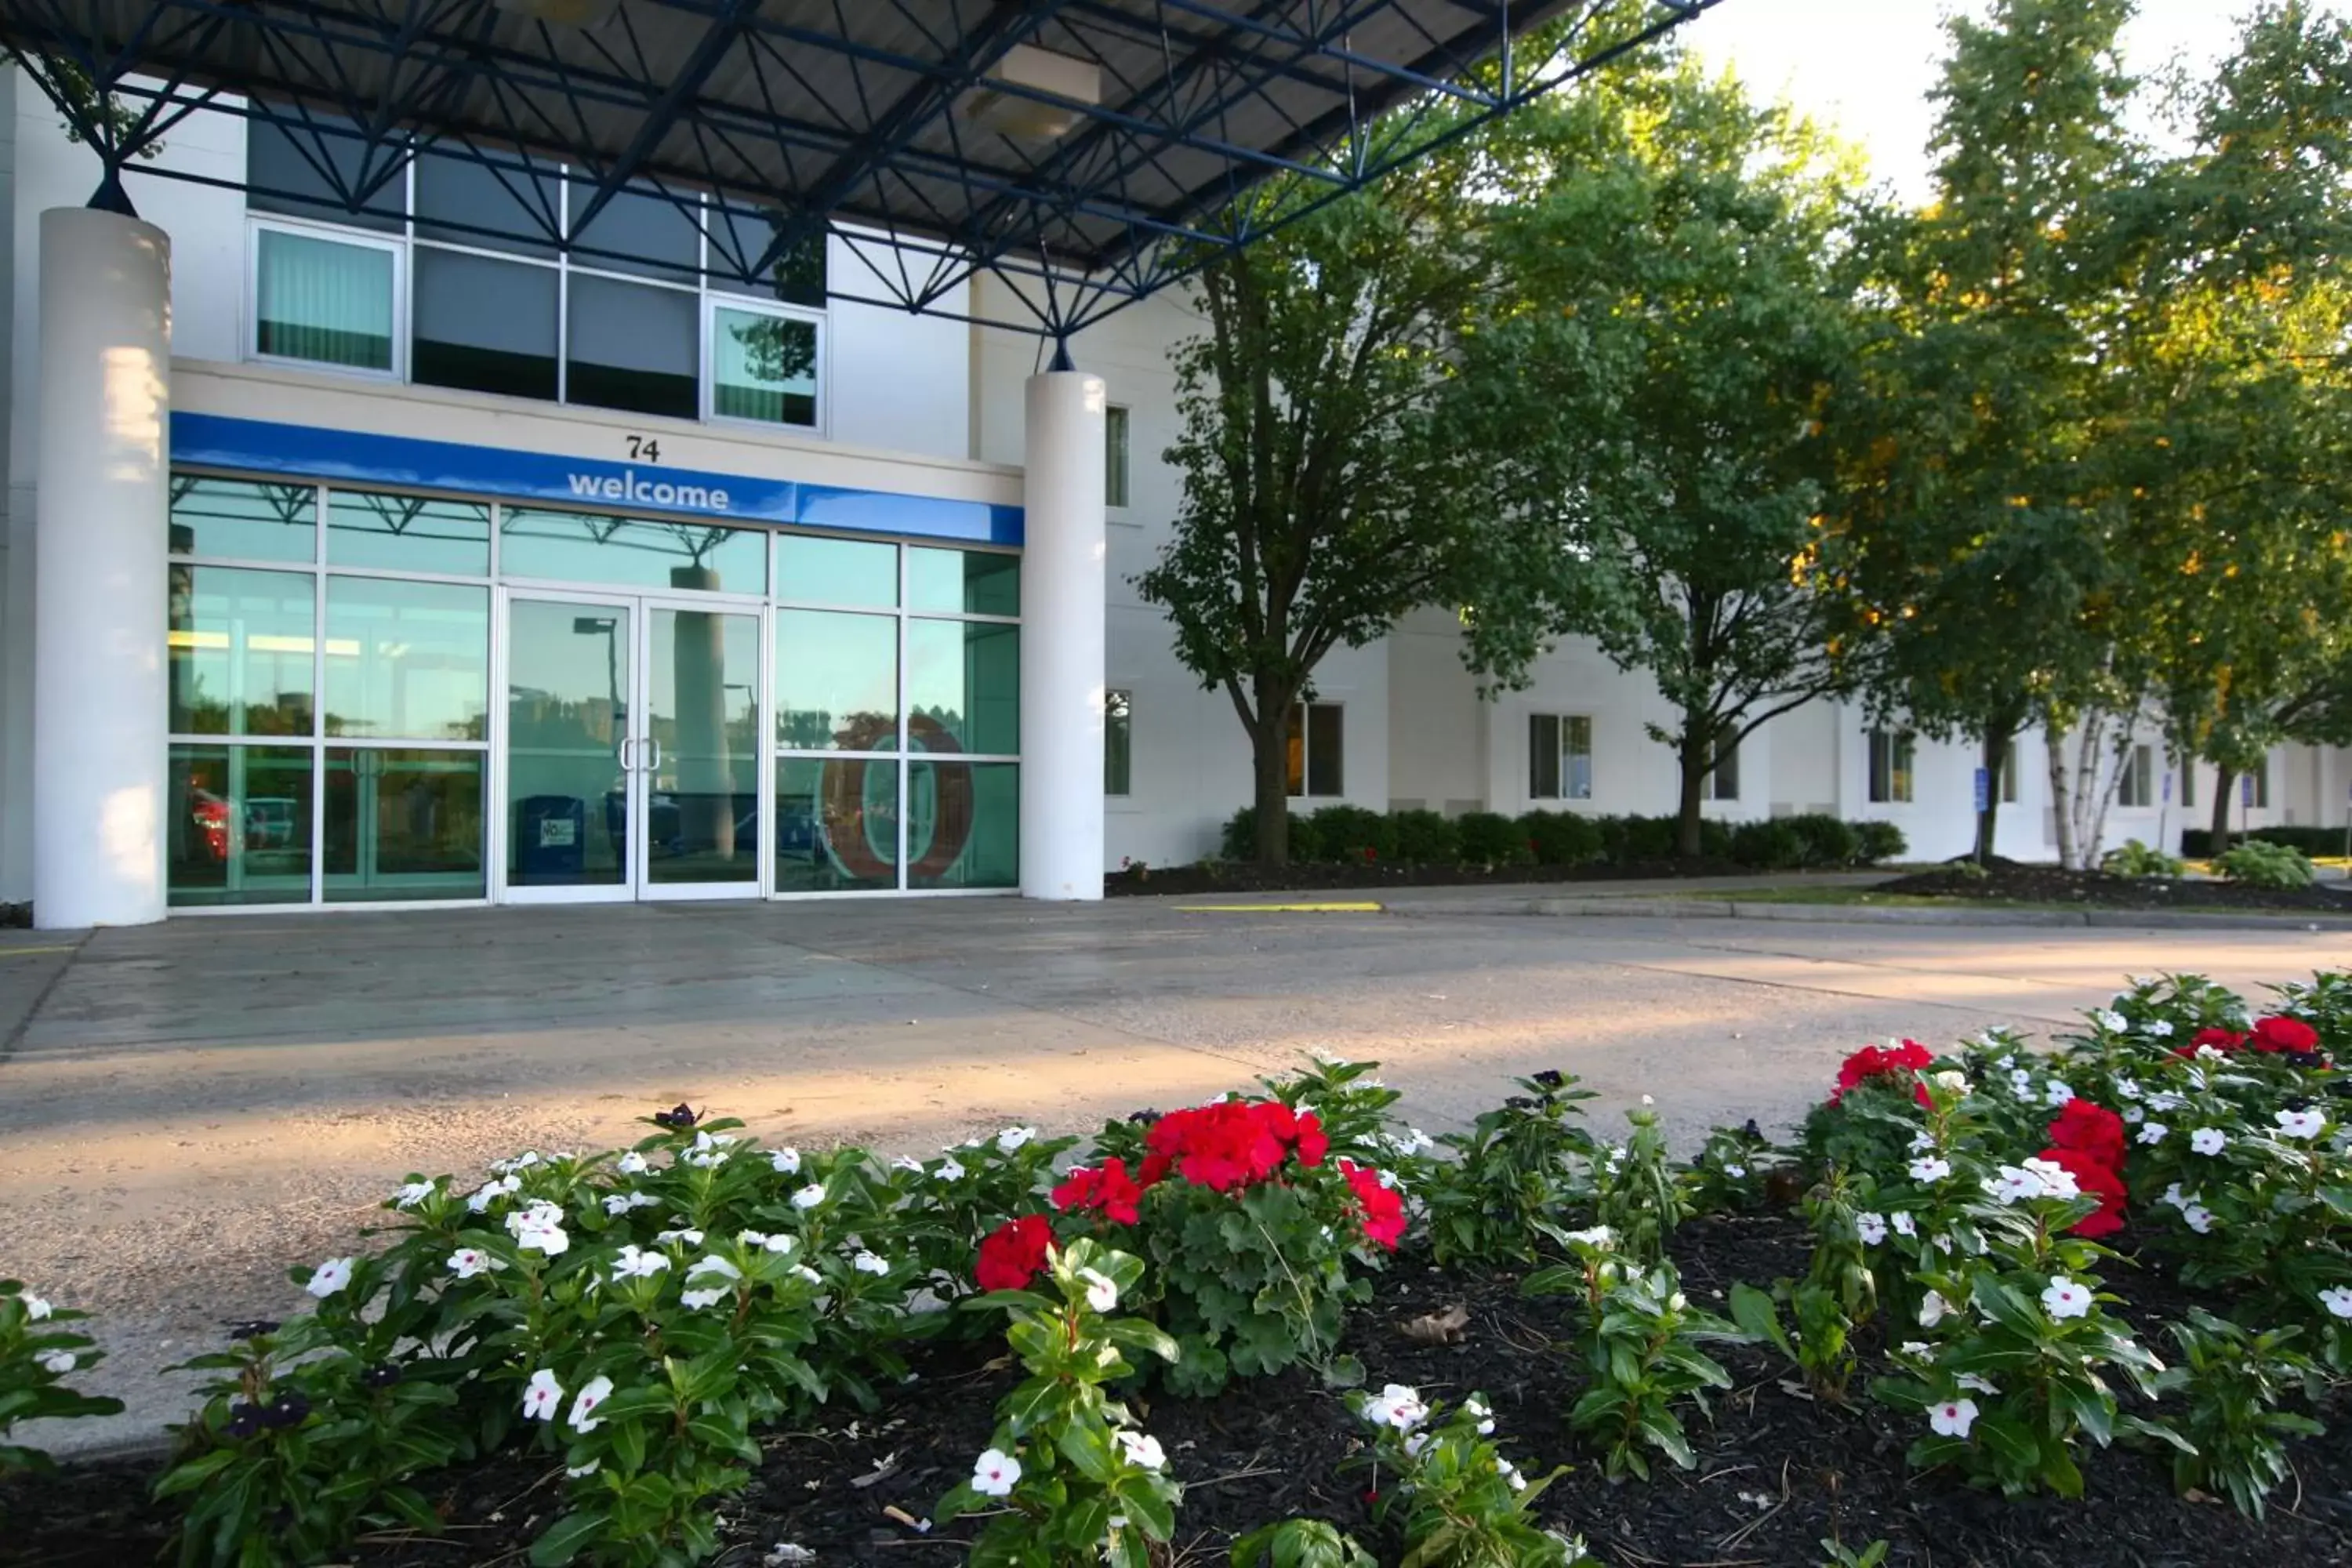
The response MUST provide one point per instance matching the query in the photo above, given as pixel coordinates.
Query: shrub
(1487, 838)
(1828, 843)
(38, 1352)
(1351, 834)
(1426, 838)
(1878, 843)
(2261, 865)
(1769, 845)
(1464, 1505)
(1560, 837)
(1239, 840)
(1521, 1166)
(2137, 859)
(1628, 840)
(2235, 1382)
(2196, 843)
(1300, 1543)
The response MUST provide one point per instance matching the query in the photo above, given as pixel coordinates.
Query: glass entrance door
(631, 750)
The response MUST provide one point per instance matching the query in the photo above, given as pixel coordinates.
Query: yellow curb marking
(19, 951)
(1362, 909)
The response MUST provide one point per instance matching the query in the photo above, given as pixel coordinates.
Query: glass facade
(334, 737)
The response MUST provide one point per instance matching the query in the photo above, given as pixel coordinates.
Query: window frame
(1562, 722)
(1301, 727)
(712, 303)
(249, 329)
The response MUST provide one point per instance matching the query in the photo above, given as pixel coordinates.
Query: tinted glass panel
(836, 681)
(1115, 426)
(1577, 763)
(484, 325)
(633, 347)
(837, 824)
(703, 714)
(975, 582)
(963, 687)
(1543, 756)
(836, 571)
(497, 209)
(639, 232)
(738, 241)
(240, 651)
(763, 367)
(582, 548)
(1324, 754)
(963, 824)
(322, 301)
(297, 170)
(403, 825)
(238, 829)
(243, 521)
(410, 660)
(1117, 741)
(568, 676)
(408, 533)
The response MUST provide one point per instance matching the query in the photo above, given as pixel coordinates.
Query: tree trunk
(1270, 753)
(2225, 784)
(2054, 738)
(1996, 757)
(1695, 749)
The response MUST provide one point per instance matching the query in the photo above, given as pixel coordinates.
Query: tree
(1669, 338)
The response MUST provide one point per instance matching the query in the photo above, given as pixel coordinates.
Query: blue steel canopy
(1087, 153)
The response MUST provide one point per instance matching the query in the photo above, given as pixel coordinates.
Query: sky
(1866, 66)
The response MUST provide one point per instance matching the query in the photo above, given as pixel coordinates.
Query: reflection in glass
(305, 165)
(239, 826)
(323, 301)
(582, 548)
(837, 824)
(836, 681)
(964, 581)
(963, 824)
(403, 825)
(407, 660)
(408, 533)
(763, 367)
(963, 687)
(243, 521)
(640, 229)
(814, 570)
(633, 347)
(567, 799)
(484, 325)
(470, 203)
(741, 238)
(240, 651)
(703, 714)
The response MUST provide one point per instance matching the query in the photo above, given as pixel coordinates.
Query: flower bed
(1964, 1313)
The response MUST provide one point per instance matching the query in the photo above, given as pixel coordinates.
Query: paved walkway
(186, 1109)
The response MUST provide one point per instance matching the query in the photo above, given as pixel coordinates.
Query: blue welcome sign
(361, 457)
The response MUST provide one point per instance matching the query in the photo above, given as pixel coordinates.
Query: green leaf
(564, 1538)
(1343, 1371)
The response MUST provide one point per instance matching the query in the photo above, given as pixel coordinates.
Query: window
(323, 301)
(2258, 781)
(1119, 741)
(483, 325)
(2009, 765)
(1723, 779)
(631, 346)
(763, 367)
(1559, 757)
(2188, 783)
(2135, 785)
(1115, 426)
(1317, 750)
(1890, 768)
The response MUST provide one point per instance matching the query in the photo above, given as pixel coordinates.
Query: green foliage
(2260, 864)
(2234, 1382)
(38, 1352)
(1300, 1543)
(1238, 841)
(1829, 844)
(1488, 839)
(1521, 1166)
(2137, 859)
(1731, 1170)
(1426, 838)
(1836, 1555)
(1352, 834)
(1878, 843)
(1768, 846)
(1462, 1504)
(1638, 1192)
(2197, 844)
(1561, 837)
(1069, 1476)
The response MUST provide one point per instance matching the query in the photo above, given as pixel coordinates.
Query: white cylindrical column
(1062, 599)
(100, 771)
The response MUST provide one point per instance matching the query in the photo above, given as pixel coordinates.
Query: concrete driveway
(185, 1109)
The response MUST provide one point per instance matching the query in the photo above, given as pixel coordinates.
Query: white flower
(540, 1215)
(468, 1261)
(713, 1266)
(2153, 1133)
(35, 1308)
(1976, 1384)
(1397, 1406)
(577, 1471)
(1477, 1408)
(2159, 1028)
(2337, 1301)
(1870, 1227)
(618, 1203)
(2210, 1054)
(950, 1170)
(1904, 1223)
(2164, 1099)
(908, 1162)
(489, 1192)
(2300, 1124)
(2056, 1092)
(1941, 1241)
(523, 1161)
(1933, 1168)
(2207, 1141)
(1915, 1348)
(752, 1237)
(1009, 1141)
(1102, 1292)
(1953, 1417)
(780, 1243)
(57, 1364)
(635, 1264)
(787, 1161)
(808, 1197)
(411, 1194)
(330, 1277)
(2062, 1298)
(1934, 1310)
(1600, 1236)
(583, 1405)
(1954, 1079)
(540, 1398)
(1142, 1449)
(1510, 1472)
(2129, 1087)
(1735, 1172)
(709, 1151)
(869, 1263)
(2013, 1184)
(633, 1164)
(2198, 1218)
(696, 1300)
(2176, 1197)
(2114, 1022)
(2021, 1082)
(995, 1474)
(805, 1272)
(1922, 1141)
(670, 1237)
(549, 1239)
(2057, 1181)
(2134, 1115)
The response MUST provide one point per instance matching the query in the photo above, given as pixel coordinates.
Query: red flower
(1873, 1062)
(1232, 1143)
(1368, 852)
(1109, 1190)
(2276, 1035)
(2219, 1039)
(2095, 1177)
(1313, 1142)
(1013, 1253)
(2092, 1129)
(1383, 1209)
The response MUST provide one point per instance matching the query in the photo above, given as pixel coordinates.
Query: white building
(495, 574)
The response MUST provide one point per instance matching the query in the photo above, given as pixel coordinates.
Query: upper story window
(451, 273)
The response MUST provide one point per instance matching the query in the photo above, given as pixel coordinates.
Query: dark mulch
(1268, 1450)
(1239, 877)
(2009, 880)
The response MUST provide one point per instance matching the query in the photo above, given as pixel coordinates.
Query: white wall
(898, 380)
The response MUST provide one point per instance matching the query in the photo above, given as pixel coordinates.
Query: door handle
(626, 742)
(655, 766)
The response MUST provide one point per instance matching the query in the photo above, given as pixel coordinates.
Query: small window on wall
(323, 301)
(2135, 785)
(1723, 779)
(2188, 783)
(763, 367)
(1316, 749)
(633, 347)
(1559, 757)
(2009, 773)
(2260, 780)
(1890, 768)
(1115, 428)
(1119, 741)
